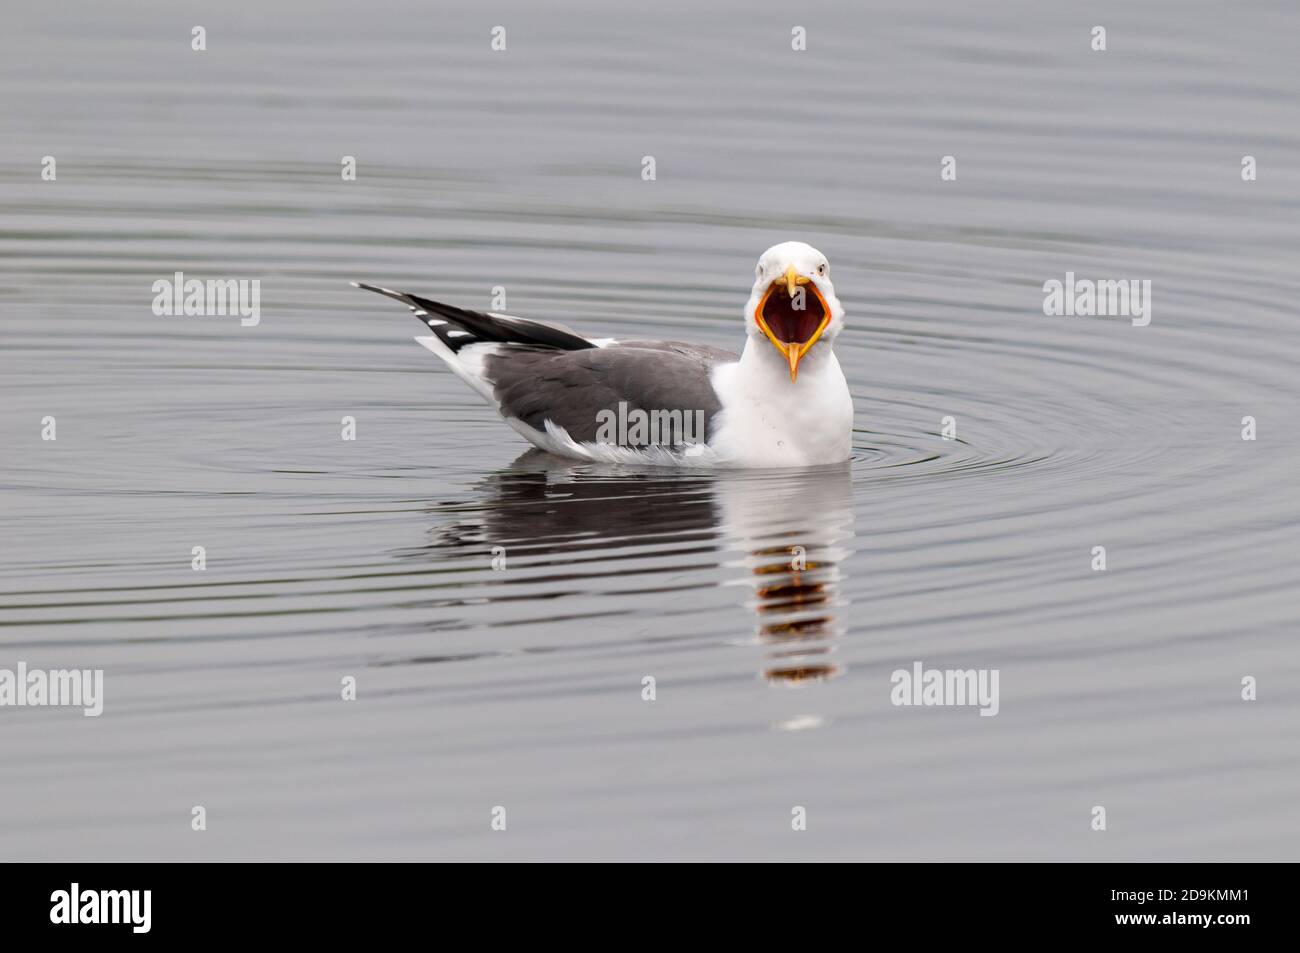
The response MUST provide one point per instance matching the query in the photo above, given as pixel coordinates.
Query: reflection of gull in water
(780, 533)
(545, 505)
(789, 530)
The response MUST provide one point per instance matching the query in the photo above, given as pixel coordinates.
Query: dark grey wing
(700, 352)
(543, 372)
(571, 388)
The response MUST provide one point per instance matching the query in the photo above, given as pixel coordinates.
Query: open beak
(792, 319)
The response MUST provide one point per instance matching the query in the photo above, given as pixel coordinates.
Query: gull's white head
(793, 302)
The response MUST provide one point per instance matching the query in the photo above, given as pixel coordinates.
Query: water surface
(522, 687)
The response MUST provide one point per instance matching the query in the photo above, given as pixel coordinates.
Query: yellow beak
(792, 278)
(793, 350)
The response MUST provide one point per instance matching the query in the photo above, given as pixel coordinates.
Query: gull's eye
(758, 270)
(822, 269)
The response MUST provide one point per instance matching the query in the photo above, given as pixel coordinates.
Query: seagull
(782, 402)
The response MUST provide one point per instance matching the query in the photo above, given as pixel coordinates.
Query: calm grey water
(522, 688)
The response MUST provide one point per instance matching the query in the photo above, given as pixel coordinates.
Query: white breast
(769, 421)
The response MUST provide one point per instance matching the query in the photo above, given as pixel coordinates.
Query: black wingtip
(484, 327)
(386, 292)
(421, 314)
